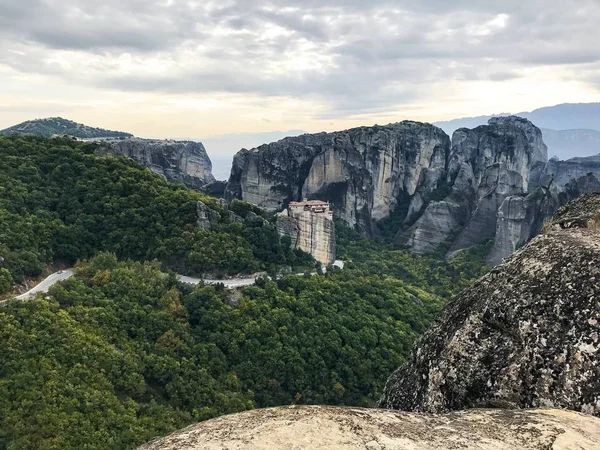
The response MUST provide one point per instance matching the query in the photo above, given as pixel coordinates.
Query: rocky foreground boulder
(331, 428)
(526, 335)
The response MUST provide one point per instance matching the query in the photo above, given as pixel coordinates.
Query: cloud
(352, 56)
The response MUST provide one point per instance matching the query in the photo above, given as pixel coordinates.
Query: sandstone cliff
(364, 172)
(311, 232)
(490, 183)
(486, 165)
(525, 335)
(184, 161)
(330, 428)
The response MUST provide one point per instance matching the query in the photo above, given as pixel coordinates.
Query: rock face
(520, 219)
(563, 172)
(311, 229)
(207, 218)
(525, 335)
(493, 182)
(184, 161)
(486, 165)
(364, 172)
(331, 428)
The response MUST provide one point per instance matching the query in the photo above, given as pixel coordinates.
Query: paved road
(51, 280)
(47, 283)
(62, 275)
(229, 284)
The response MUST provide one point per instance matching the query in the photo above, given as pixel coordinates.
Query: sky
(203, 69)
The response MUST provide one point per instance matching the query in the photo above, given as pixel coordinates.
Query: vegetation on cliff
(59, 202)
(123, 352)
(62, 127)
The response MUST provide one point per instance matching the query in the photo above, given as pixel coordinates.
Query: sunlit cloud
(198, 68)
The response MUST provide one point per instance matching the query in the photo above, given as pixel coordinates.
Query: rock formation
(486, 165)
(520, 218)
(563, 172)
(207, 218)
(490, 183)
(363, 172)
(525, 335)
(184, 161)
(331, 428)
(310, 226)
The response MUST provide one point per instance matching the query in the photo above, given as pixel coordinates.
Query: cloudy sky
(202, 68)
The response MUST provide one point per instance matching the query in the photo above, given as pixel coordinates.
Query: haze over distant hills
(568, 116)
(569, 130)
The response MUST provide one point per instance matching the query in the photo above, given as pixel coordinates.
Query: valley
(154, 352)
(179, 307)
(284, 225)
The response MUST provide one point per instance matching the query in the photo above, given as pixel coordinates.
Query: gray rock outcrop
(525, 335)
(335, 428)
(184, 161)
(486, 165)
(563, 172)
(207, 218)
(309, 231)
(492, 183)
(520, 219)
(364, 172)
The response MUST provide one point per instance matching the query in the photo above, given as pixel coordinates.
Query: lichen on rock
(525, 335)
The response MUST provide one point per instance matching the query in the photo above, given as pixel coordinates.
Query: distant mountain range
(568, 116)
(63, 127)
(569, 130)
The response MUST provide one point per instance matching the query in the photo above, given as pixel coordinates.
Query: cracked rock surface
(335, 428)
(526, 335)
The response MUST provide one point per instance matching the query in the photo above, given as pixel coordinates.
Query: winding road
(62, 275)
(47, 283)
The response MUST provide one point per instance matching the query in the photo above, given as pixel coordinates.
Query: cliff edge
(185, 161)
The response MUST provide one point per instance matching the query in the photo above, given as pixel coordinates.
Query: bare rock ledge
(336, 428)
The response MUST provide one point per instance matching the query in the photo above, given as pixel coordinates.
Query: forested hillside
(123, 352)
(59, 202)
(62, 127)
